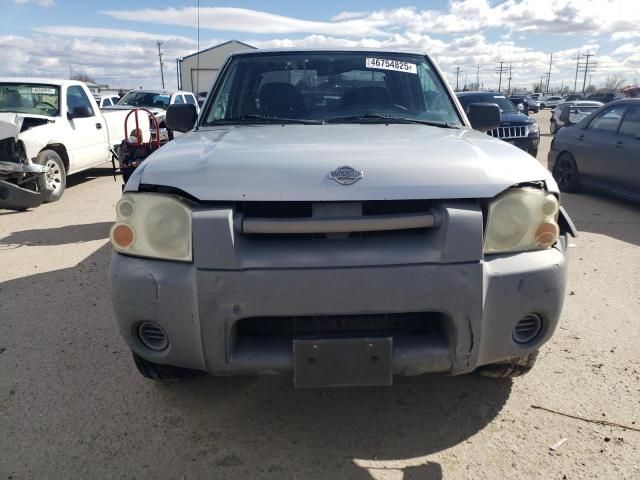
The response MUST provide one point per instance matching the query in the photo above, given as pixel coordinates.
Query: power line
(575, 81)
(587, 55)
(159, 43)
(500, 70)
(458, 71)
(549, 74)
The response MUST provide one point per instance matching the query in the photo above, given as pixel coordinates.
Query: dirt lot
(73, 406)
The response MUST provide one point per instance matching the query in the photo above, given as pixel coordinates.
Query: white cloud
(109, 33)
(245, 20)
(41, 3)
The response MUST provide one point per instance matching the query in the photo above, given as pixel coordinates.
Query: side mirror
(79, 112)
(484, 116)
(564, 116)
(181, 117)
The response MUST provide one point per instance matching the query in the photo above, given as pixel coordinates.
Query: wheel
(155, 371)
(542, 106)
(566, 173)
(553, 127)
(511, 368)
(55, 180)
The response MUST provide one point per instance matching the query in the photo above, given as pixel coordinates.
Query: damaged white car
(50, 129)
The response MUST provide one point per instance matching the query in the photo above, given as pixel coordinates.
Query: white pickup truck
(50, 129)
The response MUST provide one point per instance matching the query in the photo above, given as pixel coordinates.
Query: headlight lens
(522, 219)
(152, 225)
(534, 127)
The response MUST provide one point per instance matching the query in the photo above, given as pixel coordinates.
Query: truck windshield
(331, 87)
(34, 98)
(145, 99)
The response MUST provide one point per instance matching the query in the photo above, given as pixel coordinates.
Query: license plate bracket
(342, 362)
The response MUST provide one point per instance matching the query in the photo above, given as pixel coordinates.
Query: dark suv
(515, 127)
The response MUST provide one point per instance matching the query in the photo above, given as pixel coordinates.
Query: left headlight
(534, 127)
(152, 225)
(522, 219)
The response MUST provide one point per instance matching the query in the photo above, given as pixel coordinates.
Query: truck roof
(49, 81)
(328, 50)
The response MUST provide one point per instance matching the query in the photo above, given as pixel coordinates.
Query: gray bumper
(199, 308)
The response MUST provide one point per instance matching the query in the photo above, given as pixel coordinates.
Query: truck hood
(514, 119)
(292, 163)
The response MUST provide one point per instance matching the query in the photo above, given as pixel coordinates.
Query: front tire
(511, 368)
(156, 371)
(566, 174)
(55, 180)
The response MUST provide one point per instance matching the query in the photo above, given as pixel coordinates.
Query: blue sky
(114, 41)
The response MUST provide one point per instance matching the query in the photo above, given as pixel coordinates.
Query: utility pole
(587, 55)
(478, 77)
(575, 81)
(161, 65)
(509, 86)
(549, 74)
(465, 82)
(500, 70)
(458, 79)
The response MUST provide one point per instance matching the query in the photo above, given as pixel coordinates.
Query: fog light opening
(152, 336)
(527, 329)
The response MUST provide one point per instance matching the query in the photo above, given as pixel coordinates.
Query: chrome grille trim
(505, 133)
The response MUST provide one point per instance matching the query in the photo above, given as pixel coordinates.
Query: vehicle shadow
(92, 174)
(58, 236)
(363, 430)
(79, 374)
(606, 215)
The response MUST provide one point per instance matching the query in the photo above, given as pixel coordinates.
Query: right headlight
(152, 225)
(522, 219)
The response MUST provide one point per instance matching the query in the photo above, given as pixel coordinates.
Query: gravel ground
(73, 406)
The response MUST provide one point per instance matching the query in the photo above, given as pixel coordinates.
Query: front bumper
(14, 197)
(528, 144)
(479, 303)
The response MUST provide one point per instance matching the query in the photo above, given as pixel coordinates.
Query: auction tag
(395, 65)
(44, 90)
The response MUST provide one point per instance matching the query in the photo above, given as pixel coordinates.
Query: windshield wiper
(263, 119)
(390, 119)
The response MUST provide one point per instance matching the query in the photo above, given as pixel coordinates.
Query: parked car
(525, 104)
(515, 127)
(341, 223)
(50, 129)
(572, 98)
(106, 100)
(156, 101)
(550, 102)
(604, 97)
(602, 151)
(570, 113)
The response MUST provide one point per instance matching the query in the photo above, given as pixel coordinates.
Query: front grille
(305, 209)
(323, 220)
(324, 326)
(505, 133)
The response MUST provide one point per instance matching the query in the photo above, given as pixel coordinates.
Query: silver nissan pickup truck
(336, 216)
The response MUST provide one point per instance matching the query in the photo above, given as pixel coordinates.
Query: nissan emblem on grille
(346, 175)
